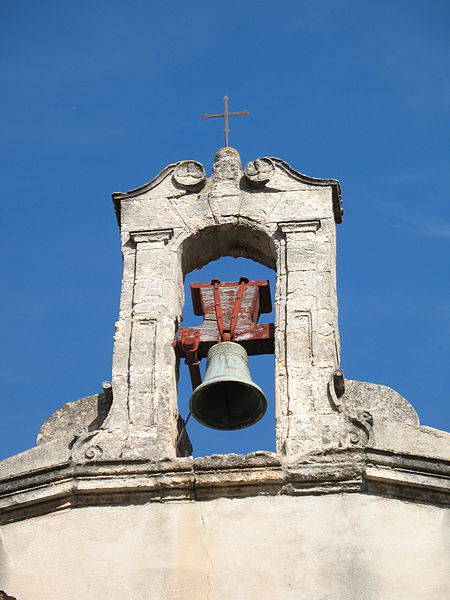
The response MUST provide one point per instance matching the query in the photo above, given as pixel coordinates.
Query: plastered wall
(331, 547)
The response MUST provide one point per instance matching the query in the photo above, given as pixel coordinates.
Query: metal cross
(225, 115)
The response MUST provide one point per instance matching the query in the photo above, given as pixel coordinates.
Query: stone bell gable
(182, 220)
(355, 486)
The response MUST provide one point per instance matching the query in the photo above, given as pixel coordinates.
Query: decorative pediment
(268, 174)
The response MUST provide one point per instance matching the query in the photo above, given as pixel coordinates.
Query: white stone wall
(331, 547)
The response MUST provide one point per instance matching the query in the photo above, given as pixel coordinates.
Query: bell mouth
(228, 405)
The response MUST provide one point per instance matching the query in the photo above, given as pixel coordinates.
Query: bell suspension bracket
(230, 311)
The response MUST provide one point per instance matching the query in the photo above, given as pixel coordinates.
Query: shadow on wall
(261, 436)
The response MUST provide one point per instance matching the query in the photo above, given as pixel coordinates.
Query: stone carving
(82, 449)
(93, 453)
(190, 174)
(382, 416)
(227, 165)
(360, 424)
(360, 434)
(80, 433)
(259, 171)
(377, 413)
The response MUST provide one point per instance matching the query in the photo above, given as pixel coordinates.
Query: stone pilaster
(144, 414)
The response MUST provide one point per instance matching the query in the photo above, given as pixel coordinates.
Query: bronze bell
(227, 399)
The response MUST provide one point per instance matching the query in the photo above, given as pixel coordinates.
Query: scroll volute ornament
(259, 171)
(190, 175)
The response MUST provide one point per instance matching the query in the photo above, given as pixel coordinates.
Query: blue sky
(99, 96)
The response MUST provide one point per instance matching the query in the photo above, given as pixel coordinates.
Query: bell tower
(182, 220)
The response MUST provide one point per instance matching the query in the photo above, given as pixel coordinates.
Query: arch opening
(260, 436)
(230, 240)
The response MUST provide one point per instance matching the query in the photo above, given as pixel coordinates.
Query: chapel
(110, 503)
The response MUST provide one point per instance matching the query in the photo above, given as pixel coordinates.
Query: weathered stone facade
(353, 473)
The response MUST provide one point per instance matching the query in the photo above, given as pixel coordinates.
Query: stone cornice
(67, 485)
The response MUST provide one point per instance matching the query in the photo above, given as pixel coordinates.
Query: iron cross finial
(225, 116)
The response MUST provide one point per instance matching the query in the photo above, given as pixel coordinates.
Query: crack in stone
(209, 558)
